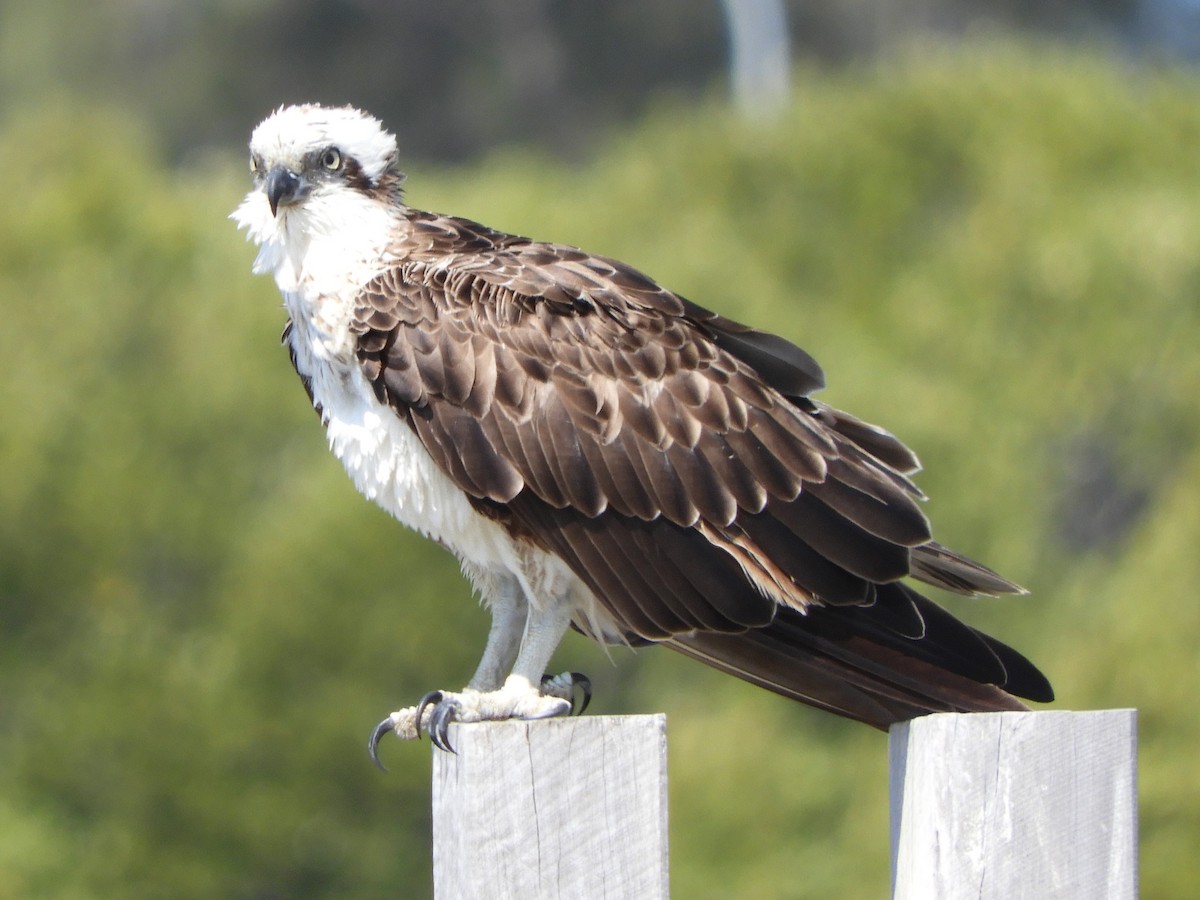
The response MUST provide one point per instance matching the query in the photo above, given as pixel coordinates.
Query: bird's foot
(517, 699)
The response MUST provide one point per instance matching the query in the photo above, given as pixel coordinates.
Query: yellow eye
(331, 159)
(253, 165)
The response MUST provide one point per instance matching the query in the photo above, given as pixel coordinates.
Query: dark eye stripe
(354, 174)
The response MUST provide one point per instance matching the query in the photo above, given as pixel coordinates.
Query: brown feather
(897, 519)
(672, 459)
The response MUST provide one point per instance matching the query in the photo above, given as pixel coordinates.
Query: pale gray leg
(543, 633)
(510, 612)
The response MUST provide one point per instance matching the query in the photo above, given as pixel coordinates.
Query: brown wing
(671, 457)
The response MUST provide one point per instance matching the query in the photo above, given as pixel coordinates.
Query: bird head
(317, 170)
(299, 151)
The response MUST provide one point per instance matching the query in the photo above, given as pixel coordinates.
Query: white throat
(336, 239)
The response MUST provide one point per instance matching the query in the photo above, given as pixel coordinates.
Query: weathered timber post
(1015, 805)
(573, 808)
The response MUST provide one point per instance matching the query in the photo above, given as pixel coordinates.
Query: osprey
(601, 453)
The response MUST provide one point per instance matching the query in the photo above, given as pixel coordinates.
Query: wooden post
(554, 808)
(1010, 805)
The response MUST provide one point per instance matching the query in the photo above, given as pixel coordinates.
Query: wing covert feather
(624, 406)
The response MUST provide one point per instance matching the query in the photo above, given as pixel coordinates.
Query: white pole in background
(760, 54)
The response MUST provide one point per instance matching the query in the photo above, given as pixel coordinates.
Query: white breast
(390, 466)
(320, 256)
(386, 460)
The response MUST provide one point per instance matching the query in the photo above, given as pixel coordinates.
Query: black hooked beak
(282, 186)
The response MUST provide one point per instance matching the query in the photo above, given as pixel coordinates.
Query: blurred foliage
(993, 252)
(457, 77)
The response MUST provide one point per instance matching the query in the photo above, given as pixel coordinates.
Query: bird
(601, 453)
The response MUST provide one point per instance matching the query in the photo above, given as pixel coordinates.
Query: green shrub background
(994, 252)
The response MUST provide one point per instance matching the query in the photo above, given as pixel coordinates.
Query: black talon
(439, 725)
(576, 680)
(433, 698)
(581, 681)
(376, 736)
